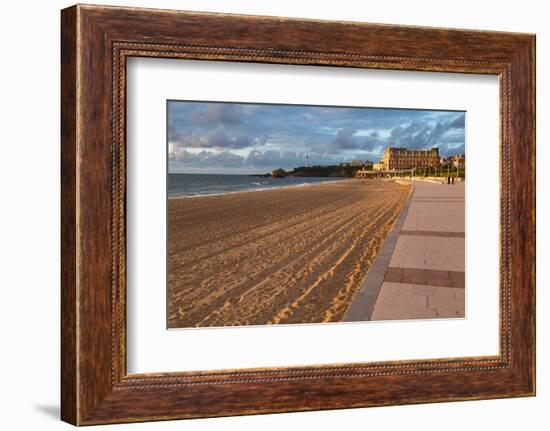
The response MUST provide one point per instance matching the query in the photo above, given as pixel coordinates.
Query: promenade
(419, 271)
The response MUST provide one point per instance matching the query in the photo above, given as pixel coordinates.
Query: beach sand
(293, 255)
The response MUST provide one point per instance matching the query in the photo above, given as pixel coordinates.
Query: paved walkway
(419, 272)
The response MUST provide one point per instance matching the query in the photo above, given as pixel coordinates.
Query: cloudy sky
(206, 137)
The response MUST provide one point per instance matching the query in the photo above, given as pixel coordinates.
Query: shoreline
(289, 255)
(262, 190)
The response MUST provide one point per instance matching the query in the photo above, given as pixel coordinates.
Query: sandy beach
(294, 255)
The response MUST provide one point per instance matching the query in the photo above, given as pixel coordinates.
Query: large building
(447, 161)
(401, 158)
(458, 161)
(361, 163)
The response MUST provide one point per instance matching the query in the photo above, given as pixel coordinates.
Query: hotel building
(401, 158)
(458, 161)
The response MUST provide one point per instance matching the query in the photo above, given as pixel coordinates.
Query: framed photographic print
(264, 214)
(297, 254)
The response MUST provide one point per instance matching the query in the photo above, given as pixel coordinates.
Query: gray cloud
(459, 122)
(344, 138)
(272, 159)
(221, 137)
(256, 161)
(256, 137)
(224, 159)
(223, 114)
(215, 114)
(420, 134)
(348, 138)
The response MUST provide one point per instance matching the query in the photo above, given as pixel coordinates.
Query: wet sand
(294, 255)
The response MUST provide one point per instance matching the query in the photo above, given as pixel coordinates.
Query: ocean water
(186, 185)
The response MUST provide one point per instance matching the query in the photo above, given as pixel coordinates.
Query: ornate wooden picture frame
(96, 41)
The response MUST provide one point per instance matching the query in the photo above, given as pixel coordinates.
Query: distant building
(378, 166)
(396, 158)
(459, 160)
(447, 161)
(366, 173)
(345, 164)
(361, 163)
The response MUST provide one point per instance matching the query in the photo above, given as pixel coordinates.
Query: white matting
(153, 348)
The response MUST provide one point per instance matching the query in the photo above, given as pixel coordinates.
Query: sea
(188, 185)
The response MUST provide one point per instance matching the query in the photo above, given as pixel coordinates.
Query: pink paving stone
(436, 207)
(411, 293)
(446, 305)
(429, 253)
(399, 299)
(424, 313)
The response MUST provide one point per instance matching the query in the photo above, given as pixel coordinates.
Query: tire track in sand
(308, 260)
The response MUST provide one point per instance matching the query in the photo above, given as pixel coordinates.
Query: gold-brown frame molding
(96, 41)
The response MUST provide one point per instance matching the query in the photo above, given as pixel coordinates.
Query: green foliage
(441, 172)
(349, 171)
(325, 171)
